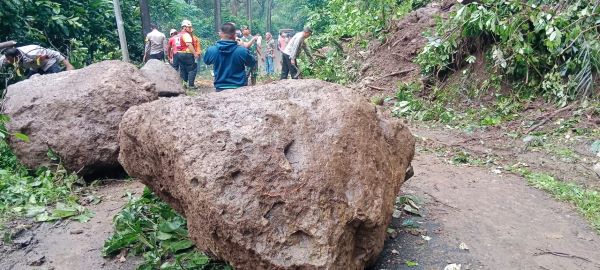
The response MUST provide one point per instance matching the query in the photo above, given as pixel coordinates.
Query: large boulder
(296, 174)
(76, 114)
(168, 83)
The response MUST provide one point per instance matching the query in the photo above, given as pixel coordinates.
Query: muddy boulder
(164, 76)
(76, 114)
(297, 174)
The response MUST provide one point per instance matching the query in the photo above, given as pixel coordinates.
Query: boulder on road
(168, 83)
(76, 114)
(298, 174)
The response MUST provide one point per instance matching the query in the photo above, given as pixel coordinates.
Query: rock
(596, 169)
(166, 78)
(76, 114)
(297, 174)
(36, 260)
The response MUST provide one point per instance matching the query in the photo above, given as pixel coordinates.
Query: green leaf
(163, 236)
(411, 263)
(21, 137)
(169, 226)
(118, 242)
(178, 245)
(595, 148)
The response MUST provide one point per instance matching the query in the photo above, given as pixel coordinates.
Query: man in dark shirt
(229, 59)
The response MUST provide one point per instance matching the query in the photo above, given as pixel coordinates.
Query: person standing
(185, 55)
(156, 43)
(269, 54)
(290, 53)
(171, 48)
(249, 42)
(198, 48)
(283, 39)
(35, 59)
(229, 60)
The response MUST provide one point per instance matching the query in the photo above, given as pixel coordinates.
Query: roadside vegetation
(150, 228)
(47, 194)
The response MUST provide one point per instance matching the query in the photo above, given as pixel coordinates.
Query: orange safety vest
(180, 45)
(196, 43)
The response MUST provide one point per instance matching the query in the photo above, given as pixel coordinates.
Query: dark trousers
(52, 69)
(158, 56)
(288, 68)
(186, 63)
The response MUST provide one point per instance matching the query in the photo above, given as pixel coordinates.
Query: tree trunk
(235, 5)
(269, 15)
(121, 31)
(218, 15)
(145, 10)
(249, 13)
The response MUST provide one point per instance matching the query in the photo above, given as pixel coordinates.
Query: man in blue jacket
(229, 59)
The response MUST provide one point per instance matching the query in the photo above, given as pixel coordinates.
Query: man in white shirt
(156, 42)
(35, 59)
(289, 65)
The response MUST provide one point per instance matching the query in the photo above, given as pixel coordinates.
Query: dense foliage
(149, 227)
(550, 47)
(338, 21)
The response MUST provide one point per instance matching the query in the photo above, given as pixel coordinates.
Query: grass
(587, 201)
(148, 227)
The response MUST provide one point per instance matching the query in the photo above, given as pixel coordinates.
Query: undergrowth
(547, 47)
(44, 195)
(341, 24)
(148, 227)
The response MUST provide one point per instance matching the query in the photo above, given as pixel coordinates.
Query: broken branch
(547, 117)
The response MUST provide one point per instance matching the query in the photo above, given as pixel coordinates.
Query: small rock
(76, 231)
(453, 266)
(463, 246)
(597, 168)
(36, 260)
(426, 238)
(397, 213)
(395, 251)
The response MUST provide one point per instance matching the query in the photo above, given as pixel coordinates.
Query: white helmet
(186, 23)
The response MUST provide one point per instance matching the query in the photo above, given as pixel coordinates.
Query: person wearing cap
(290, 53)
(229, 60)
(171, 46)
(250, 43)
(35, 59)
(156, 42)
(185, 54)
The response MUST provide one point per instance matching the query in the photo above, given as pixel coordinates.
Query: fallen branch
(398, 73)
(561, 254)
(547, 117)
(377, 88)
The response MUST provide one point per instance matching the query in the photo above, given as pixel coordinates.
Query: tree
(235, 6)
(218, 15)
(269, 8)
(249, 12)
(121, 30)
(145, 12)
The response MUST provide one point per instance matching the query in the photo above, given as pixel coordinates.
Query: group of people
(234, 57)
(182, 49)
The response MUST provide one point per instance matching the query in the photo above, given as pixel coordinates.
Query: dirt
(387, 63)
(69, 244)
(505, 223)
